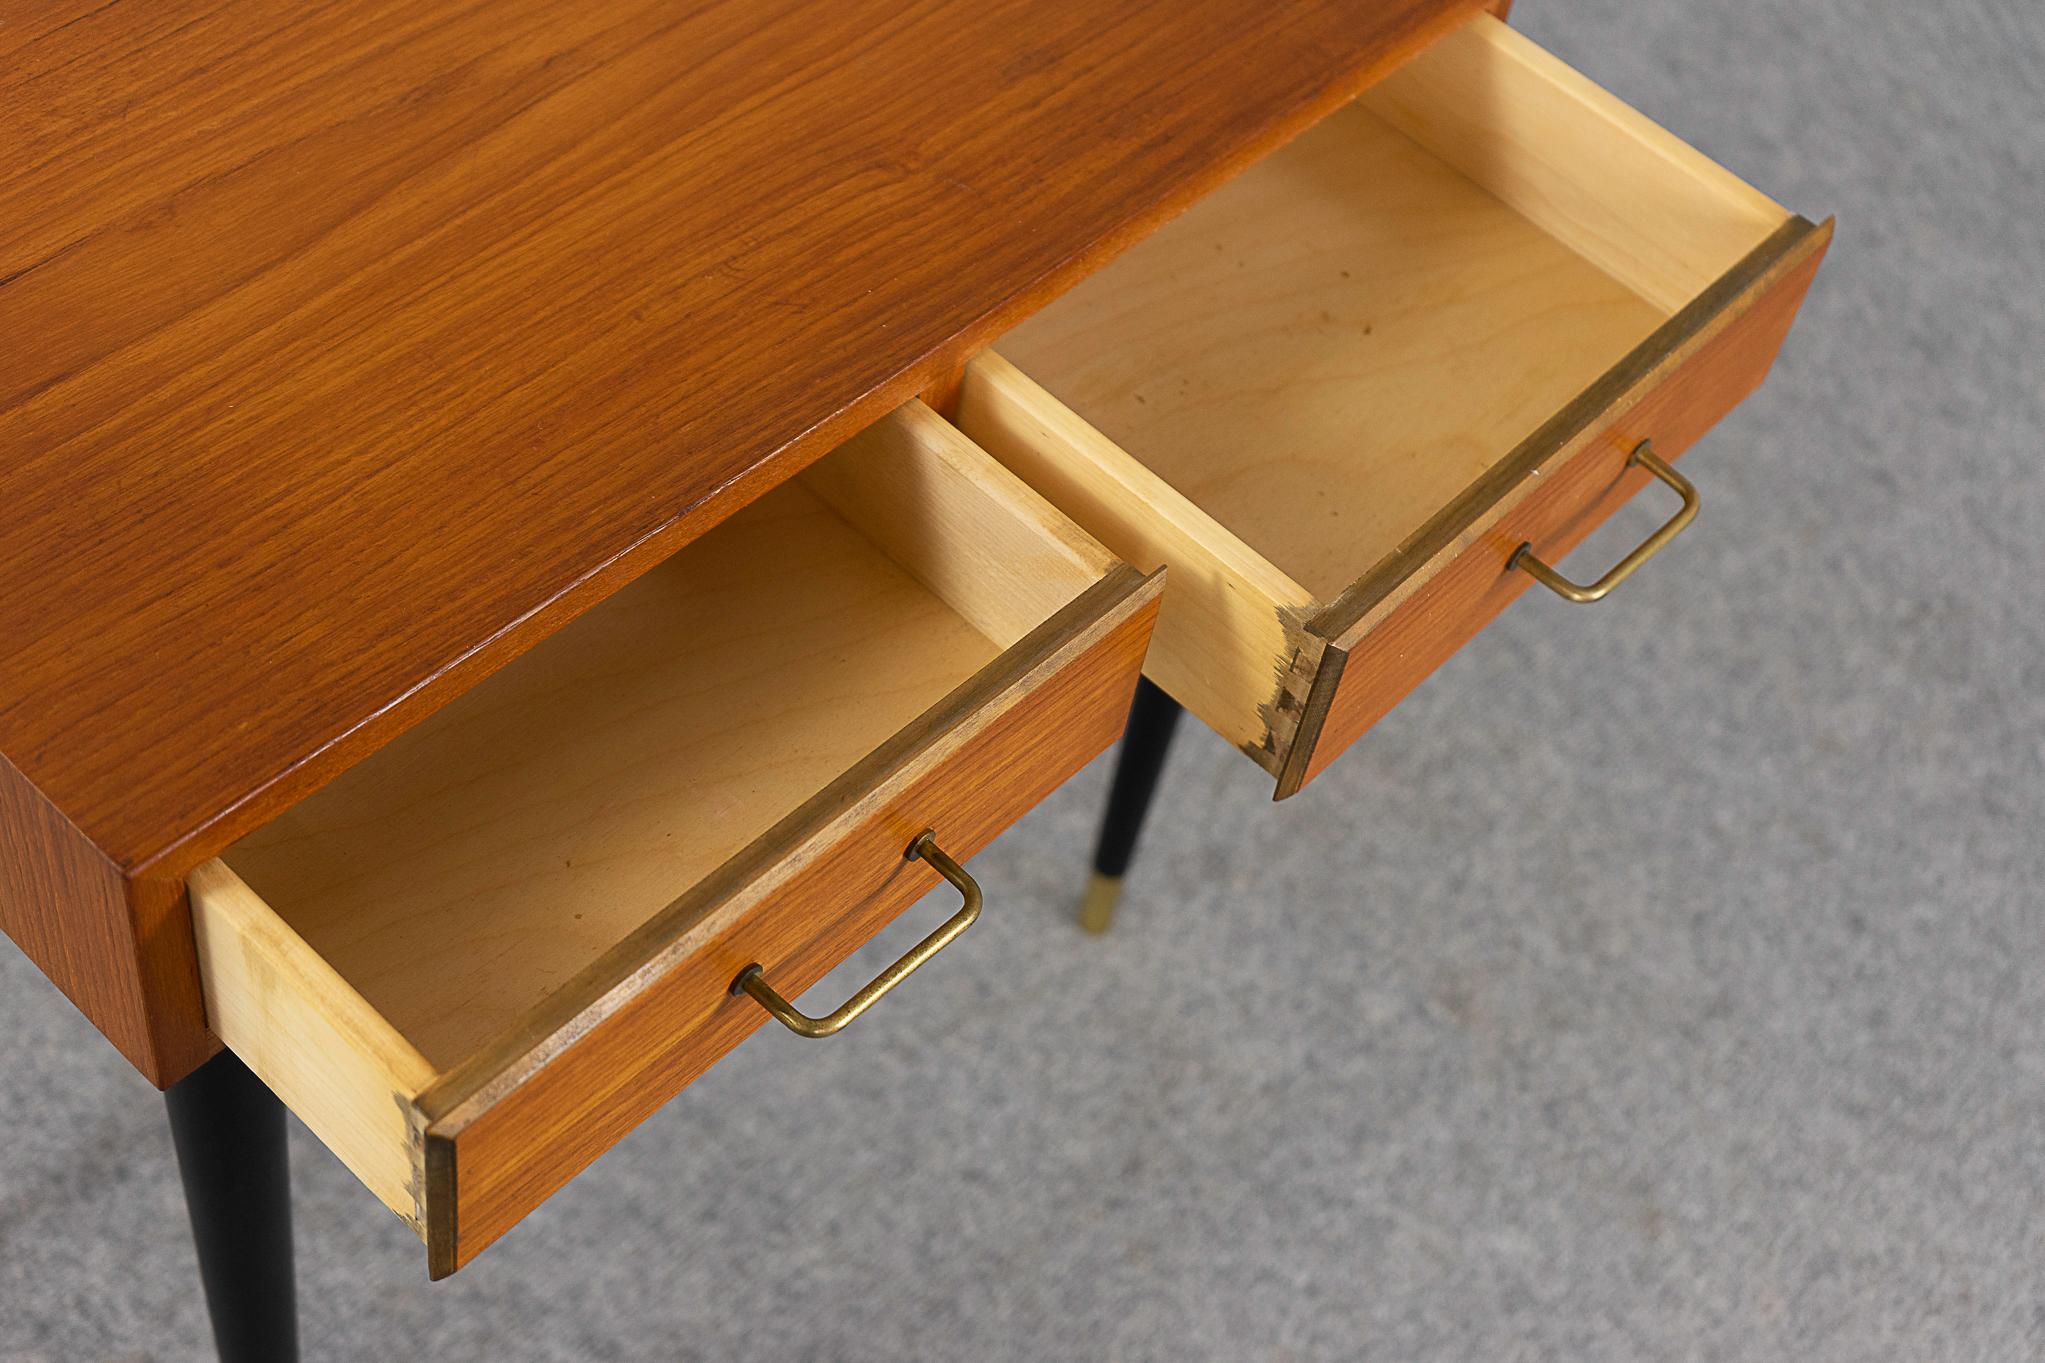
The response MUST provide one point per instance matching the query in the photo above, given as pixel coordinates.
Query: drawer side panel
(1230, 634)
(310, 1037)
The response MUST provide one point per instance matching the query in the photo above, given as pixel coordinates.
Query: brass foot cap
(1097, 905)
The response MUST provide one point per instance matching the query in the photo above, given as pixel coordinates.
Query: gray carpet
(1662, 980)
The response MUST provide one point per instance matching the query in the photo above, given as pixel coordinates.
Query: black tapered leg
(1153, 716)
(229, 1131)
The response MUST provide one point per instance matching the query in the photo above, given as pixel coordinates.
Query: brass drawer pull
(754, 983)
(1643, 455)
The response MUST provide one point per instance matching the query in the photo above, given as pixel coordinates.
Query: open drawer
(476, 960)
(1360, 395)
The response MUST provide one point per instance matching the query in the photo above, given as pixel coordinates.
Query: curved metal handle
(751, 981)
(1643, 455)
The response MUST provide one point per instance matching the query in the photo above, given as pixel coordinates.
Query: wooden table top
(346, 349)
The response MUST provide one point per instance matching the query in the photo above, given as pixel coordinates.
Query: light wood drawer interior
(486, 889)
(1320, 386)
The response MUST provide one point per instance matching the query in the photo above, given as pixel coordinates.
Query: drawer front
(512, 1126)
(1394, 628)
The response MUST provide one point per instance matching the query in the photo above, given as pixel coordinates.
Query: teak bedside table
(533, 530)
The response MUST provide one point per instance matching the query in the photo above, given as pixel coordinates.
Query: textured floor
(1662, 981)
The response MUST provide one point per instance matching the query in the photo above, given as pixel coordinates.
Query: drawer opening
(420, 908)
(1330, 348)
(1319, 384)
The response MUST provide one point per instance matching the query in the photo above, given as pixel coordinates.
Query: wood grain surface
(351, 349)
(369, 338)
